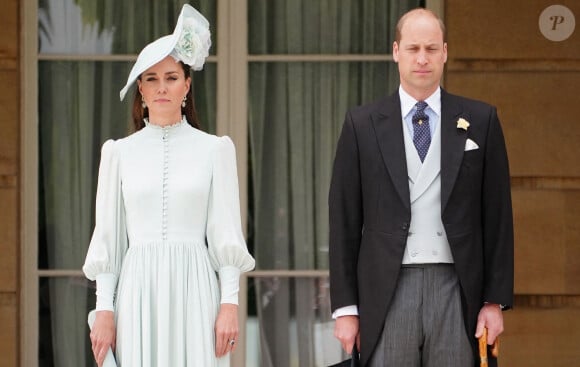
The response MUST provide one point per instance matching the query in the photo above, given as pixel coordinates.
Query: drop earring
(183, 102)
(143, 104)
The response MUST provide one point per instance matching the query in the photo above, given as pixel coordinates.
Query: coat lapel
(452, 145)
(387, 122)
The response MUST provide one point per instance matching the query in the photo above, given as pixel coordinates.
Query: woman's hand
(103, 335)
(226, 329)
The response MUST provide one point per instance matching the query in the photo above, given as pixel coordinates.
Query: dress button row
(165, 182)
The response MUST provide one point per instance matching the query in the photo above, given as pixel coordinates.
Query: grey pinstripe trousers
(424, 324)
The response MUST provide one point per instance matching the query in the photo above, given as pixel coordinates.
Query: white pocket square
(470, 145)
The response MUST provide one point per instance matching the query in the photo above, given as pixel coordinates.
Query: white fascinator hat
(189, 43)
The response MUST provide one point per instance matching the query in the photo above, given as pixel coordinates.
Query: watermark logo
(557, 23)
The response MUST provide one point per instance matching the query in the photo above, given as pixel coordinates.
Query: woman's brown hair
(139, 113)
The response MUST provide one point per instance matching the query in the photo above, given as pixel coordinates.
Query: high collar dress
(167, 222)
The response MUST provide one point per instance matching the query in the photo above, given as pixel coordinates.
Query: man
(421, 233)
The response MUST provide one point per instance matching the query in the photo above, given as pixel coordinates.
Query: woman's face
(163, 87)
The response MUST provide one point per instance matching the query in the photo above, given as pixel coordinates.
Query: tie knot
(421, 105)
(419, 117)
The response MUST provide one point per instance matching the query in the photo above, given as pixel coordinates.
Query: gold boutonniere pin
(462, 124)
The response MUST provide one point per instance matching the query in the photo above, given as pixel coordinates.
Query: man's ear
(395, 52)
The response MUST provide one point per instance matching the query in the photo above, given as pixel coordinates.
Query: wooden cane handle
(483, 348)
(495, 347)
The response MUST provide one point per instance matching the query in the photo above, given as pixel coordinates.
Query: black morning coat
(370, 211)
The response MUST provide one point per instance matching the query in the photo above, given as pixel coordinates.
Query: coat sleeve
(227, 246)
(345, 219)
(498, 237)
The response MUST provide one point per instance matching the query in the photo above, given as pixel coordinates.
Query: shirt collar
(408, 102)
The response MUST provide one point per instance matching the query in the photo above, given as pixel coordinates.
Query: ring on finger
(231, 342)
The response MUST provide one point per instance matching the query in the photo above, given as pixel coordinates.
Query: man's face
(421, 54)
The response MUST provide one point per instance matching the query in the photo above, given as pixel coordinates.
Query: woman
(167, 219)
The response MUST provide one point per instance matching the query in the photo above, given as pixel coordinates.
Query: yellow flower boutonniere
(462, 124)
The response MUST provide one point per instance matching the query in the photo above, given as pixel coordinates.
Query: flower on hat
(462, 124)
(193, 45)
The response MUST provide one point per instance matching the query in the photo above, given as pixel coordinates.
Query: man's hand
(346, 330)
(491, 317)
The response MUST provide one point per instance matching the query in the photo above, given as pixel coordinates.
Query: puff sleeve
(227, 248)
(109, 241)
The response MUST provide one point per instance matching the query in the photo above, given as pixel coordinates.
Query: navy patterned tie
(421, 131)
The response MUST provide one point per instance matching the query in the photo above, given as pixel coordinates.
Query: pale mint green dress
(161, 193)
